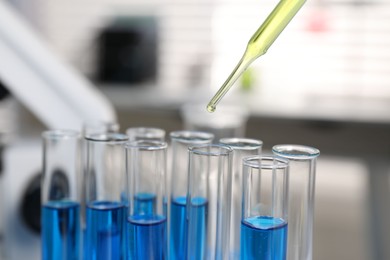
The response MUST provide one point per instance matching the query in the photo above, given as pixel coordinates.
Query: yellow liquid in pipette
(259, 43)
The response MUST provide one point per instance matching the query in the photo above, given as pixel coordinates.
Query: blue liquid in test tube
(264, 212)
(60, 232)
(146, 227)
(105, 230)
(263, 237)
(178, 233)
(197, 228)
(144, 203)
(178, 239)
(146, 236)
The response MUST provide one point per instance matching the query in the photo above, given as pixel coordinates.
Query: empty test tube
(145, 133)
(302, 160)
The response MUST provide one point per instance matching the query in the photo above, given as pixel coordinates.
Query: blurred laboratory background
(325, 82)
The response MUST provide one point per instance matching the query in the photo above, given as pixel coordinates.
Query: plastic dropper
(259, 43)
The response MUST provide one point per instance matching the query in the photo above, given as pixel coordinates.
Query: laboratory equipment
(145, 133)
(105, 210)
(181, 141)
(91, 127)
(61, 235)
(208, 202)
(99, 127)
(51, 83)
(302, 160)
(242, 147)
(230, 120)
(22, 203)
(264, 208)
(60, 98)
(259, 43)
(147, 212)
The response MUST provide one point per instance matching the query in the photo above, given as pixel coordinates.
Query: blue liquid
(147, 237)
(60, 230)
(105, 234)
(197, 229)
(124, 198)
(263, 238)
(144, 204)
(178, 233)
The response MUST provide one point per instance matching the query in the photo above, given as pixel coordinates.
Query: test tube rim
(146, 145)
(223, 150)
(107, 137)
(281, 162)
(188, 136)
(241, 143)
(60, 134)
(157, 131)
(110, 126)
(295, 151)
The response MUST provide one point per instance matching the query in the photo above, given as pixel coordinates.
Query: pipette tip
(210, 108)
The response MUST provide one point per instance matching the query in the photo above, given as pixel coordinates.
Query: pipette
(259, 43)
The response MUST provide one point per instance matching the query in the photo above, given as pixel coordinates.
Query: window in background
(333, 49)
(183, 28)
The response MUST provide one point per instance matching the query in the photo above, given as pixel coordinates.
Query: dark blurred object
(21, 200)
(127, 51)
(30, 208)
(3, 94)
(3, 91)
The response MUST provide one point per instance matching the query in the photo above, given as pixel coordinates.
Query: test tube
(60, 195)
(89, 128)
(105, 210)
(146, 133)
(242, 147)
(208, 202)
(180, 142)
(264, 208)
(302, 160)
(228, 120)
(147, 214)
(99, 127)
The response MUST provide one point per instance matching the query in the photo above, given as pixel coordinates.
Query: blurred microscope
(59, 98)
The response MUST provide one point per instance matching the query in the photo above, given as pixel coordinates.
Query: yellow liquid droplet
(210, 108)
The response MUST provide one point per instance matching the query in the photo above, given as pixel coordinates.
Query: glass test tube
(228, 120)
(147, 216)
(180, 142)
(208, 202)
(242, 147)
(302, 160)
(264, 208)
(99, 127)
(60, 195)
(90, 128)
(145, 133)
(105, 209)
